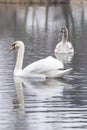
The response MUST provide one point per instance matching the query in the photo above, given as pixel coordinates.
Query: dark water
(32, 104)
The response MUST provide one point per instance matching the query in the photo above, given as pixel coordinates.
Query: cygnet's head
(17, 44)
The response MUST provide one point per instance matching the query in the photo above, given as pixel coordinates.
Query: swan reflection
(43, 100)
(20, 96)
(43, 88)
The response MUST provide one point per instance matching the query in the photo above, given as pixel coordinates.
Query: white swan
(65, 58)
(44, 68)
(64, 46)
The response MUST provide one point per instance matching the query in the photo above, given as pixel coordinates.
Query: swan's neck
(19, 62)
(65, 37)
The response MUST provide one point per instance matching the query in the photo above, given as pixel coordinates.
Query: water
(34, 104)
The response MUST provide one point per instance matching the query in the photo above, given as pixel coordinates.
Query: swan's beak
(12, 47)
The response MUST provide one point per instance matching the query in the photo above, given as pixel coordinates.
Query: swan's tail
(58, 73)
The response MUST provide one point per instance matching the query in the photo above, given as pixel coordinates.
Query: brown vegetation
(42, 1)
(34, 1)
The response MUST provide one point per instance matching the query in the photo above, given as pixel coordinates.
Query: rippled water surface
(52, 104)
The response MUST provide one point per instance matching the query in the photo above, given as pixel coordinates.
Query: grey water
(34, 104)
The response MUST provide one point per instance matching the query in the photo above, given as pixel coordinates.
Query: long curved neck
(19, 62)
(65, 36)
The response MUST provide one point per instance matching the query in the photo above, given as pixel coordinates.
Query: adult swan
(44, 68)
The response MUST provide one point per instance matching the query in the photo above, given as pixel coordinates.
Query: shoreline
(43, 2)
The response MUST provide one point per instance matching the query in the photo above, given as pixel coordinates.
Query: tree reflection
(67, 12)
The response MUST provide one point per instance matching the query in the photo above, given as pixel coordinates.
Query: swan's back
(43, 65)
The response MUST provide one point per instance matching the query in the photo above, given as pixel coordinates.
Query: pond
(52, 104)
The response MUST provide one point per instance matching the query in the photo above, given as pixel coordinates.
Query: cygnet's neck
(19, 62)
(65, 37)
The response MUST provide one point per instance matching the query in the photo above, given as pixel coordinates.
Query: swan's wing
(58, 73)
(43, 65)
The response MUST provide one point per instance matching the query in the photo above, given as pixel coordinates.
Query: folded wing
(43, 65)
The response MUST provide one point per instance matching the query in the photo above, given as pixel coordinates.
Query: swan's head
(17, 44)
(64, 30)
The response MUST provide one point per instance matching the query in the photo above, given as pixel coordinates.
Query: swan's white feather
(64, 48)
(43, 66)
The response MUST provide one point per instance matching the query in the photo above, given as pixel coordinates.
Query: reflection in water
(44, 88)
(67, 13)
(49, 106)
(41, 101)
(20, 96)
